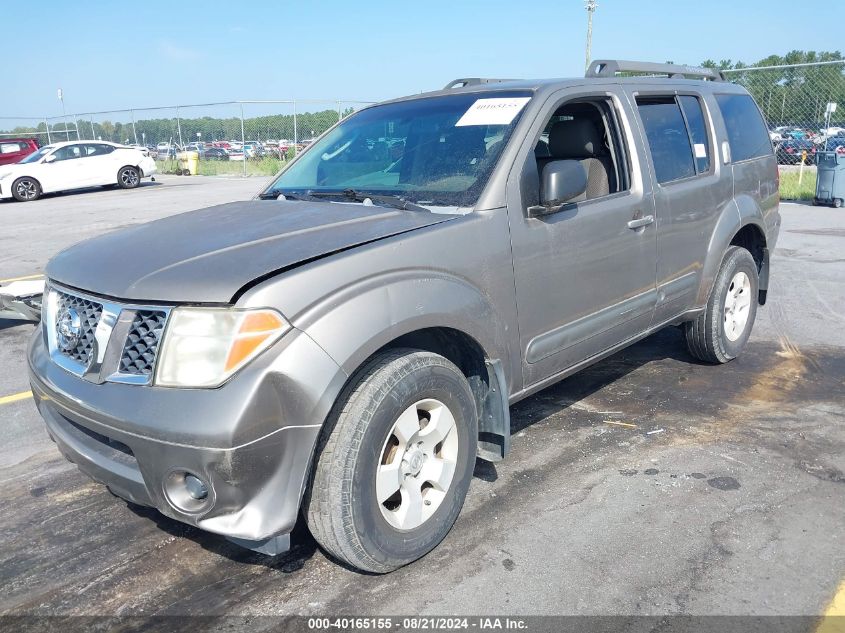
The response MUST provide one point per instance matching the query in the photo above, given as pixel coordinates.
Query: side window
(68, 152)
(11, 148)
(98, 149)
(748, 135)
(691, 107)
(677, 136)
(587, 131)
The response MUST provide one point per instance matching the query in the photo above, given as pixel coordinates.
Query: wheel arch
(25, 177)
(740, 224)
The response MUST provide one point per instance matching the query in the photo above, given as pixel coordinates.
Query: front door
(65, 171)
(585, 276)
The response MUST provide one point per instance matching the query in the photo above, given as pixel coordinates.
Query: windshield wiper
(274, 194)
(392, 202)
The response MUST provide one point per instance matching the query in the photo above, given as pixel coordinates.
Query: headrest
(576, 138)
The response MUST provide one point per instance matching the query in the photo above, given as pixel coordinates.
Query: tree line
(153, 131)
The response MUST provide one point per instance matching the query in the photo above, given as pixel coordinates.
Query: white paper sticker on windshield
(493, 111)
(700, 150)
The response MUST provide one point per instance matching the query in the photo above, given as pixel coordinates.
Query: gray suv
(350, 342)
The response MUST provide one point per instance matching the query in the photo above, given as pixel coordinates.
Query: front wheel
(128, 177)
(720, 333)
(395, 461)
(26, 189)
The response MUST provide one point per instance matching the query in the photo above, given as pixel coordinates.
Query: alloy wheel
(417, 464)
(737, 304)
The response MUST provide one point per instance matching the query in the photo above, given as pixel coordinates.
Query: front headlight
(202, 347)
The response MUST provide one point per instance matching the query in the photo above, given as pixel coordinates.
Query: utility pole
(61, 96)
(591, 8)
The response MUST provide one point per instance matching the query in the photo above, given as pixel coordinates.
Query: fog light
(196, 488)
(187, 492)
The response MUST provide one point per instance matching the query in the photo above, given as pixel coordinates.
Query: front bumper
(250, 441)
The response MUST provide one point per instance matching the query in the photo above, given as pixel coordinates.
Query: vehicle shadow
(667, 344)
(64, 194)
(5, 324)
(303, 545)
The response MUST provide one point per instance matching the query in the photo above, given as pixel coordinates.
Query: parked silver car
(349, 343)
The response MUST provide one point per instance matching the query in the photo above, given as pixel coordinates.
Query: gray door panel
(584, 279)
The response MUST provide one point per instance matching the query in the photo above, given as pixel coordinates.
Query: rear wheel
(720, 333)
(128, 177)
(837, 202)
(26, 189)
(395, 462)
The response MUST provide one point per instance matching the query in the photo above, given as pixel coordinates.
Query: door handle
(640, 222)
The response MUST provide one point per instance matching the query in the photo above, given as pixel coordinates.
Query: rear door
(691, 188)
(99, 164)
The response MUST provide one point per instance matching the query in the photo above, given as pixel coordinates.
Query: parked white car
(74, 165)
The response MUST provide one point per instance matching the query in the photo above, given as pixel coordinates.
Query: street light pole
(64, 116)
(591, 8)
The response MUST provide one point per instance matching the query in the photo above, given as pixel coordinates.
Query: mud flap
(763, 280)
(494, 423)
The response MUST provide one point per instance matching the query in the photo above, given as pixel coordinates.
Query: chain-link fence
(235, 137)
(804, 105)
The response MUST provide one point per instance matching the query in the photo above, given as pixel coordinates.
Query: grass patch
(791, 190)
(261, 167)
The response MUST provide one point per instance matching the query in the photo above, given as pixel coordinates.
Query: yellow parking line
(23, 395)
(6, 281)
(833, 620)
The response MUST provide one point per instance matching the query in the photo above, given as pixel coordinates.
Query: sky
(188, 51)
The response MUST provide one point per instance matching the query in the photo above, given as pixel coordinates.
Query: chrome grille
(139, 351)
(83, 315)
(99, 339)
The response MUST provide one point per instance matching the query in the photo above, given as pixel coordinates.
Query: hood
(13, 168)
(206, 256)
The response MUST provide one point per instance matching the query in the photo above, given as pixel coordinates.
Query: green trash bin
(830, 177)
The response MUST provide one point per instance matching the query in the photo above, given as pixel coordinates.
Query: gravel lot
(647, 484)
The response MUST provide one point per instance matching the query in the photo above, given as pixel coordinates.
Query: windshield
(36, 156)
(438, 150)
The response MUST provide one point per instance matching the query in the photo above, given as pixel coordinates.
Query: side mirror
(561, 182)
(50, 158)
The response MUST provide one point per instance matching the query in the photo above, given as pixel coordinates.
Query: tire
(372, 435)
(717, 336)
(26, 189)
(128, 177)
(837, 203)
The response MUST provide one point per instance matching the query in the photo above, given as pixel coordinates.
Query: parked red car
(13, 150)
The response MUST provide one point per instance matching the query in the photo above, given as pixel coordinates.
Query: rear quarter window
(748, 135)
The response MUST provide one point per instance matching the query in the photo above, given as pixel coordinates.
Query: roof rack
(603, 68)
(472, 81)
